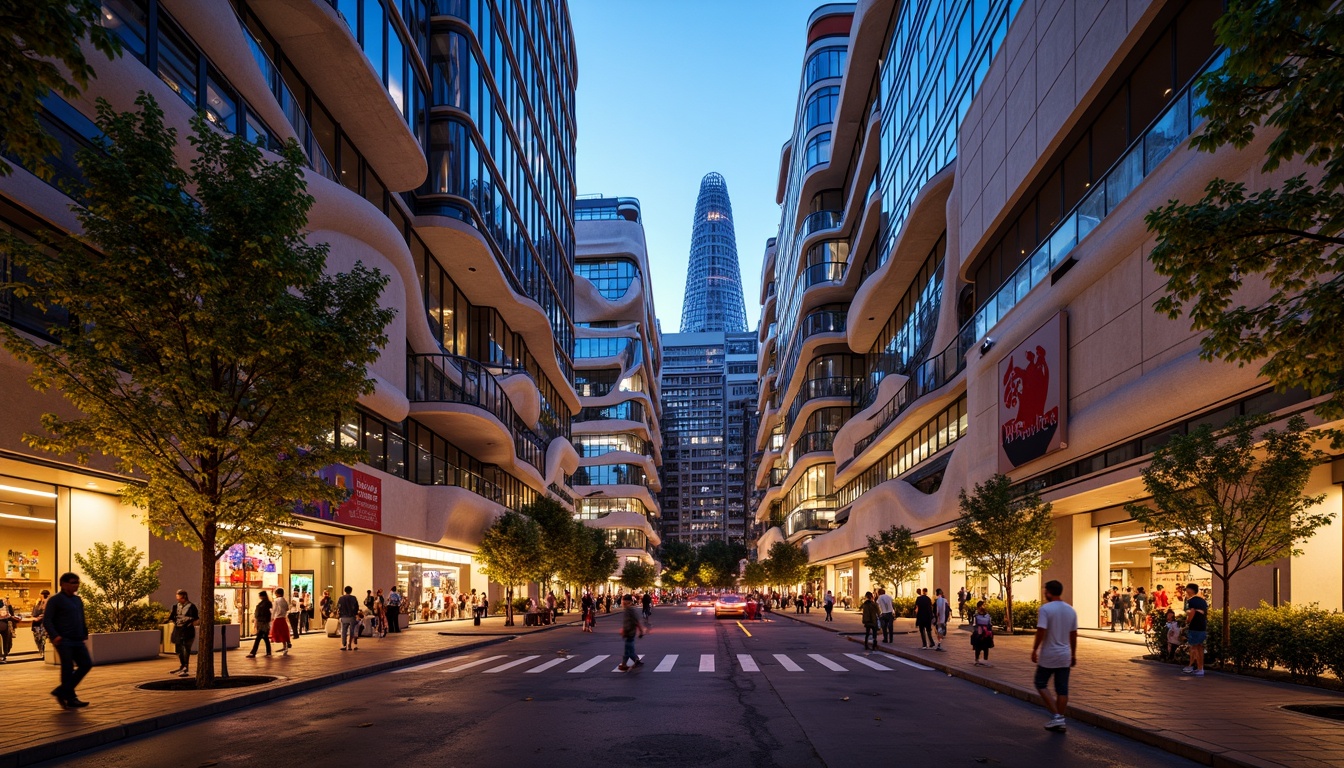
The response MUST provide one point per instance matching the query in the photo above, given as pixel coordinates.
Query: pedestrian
(647, 603)
(886, 615)
(347, 609)
(807, 602)
(924, 619)
(942, 613)
(292, 614)
(261, 624)
(64, 621)
(485, 605)
(961, 604)
(1140, 610)
(184, 617)
(9, 619)
(368, 601)
(380, 613)
(1173, 635)
(607, 603)
(630, 627)
(39, 630)
(305, 611)
(279, 622)
(829, 604)
(982, 633)
(326, 606)
(359, 630)
(1161, 602)
(870, 619)
(1196, 629)
(394, 611)
(1117, 606)
(1055, 652)
(1127, 607)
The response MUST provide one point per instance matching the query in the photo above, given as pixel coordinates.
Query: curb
(552, 626)
(1177, 744)
(111, 734)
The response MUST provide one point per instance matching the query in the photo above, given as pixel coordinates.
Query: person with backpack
(394, 611)
(630, 627)
(261, 624)
(982, 634)
(870, 620)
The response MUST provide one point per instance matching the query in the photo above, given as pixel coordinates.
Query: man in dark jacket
(347, 608)
(64, 622)
(924, 619)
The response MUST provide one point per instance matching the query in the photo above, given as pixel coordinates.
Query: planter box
(114, 647)
(227, 635)
(333, 627)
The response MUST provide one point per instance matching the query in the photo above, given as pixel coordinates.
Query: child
(1173, 637)
(359, 630)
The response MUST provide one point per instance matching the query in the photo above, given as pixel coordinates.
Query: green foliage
(893, 557)
(756, 575)
(1304, 640)
(637, 575)
(115, 586)
(905, 607)
(1219, 505)
(679, 563)
(558, 535)
(717, 563)
(591, 560)
(1284, 73)
(1024, 613)
(40, 47)
(510, 554)
(1002, 536)
(212, 350)
(786, 564)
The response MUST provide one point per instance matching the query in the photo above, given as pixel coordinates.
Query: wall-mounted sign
(362, 509)
(1032, 401)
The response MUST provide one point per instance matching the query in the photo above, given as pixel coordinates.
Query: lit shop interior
(429, 577)
(305, 561)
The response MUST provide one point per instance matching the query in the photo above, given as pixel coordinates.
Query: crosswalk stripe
(593, 662)
(908, 662)
(617, 668)
(471, 664)
(706, 662)
(666, 664)
(787, 663)
(419, 667)
(748, 663)
(510, 665)
(827, 663)
(548, 665)
(867, 663)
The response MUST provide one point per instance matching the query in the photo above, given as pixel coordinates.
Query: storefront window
(1128, 562)
(430, 580)
(306, 562)
(28, 533)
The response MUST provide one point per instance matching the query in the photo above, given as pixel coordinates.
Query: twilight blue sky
(670, 90)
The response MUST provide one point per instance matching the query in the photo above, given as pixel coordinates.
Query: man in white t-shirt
(886, 615)
(1055, 652)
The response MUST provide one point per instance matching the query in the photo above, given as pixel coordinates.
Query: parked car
(730, 605)
(700, 600)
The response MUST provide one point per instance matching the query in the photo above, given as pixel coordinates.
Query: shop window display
(1129, 562)
(305, 562)
(28, 543)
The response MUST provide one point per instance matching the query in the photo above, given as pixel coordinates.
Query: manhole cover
(1331, 711)
(189, 683)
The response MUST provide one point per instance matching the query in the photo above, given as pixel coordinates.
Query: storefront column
(370, 562)
(828, 581)
(942, 567)
(1086, 576)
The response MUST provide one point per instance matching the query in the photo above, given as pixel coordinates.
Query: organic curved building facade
(713, 302)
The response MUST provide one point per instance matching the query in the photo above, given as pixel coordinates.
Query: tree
(558, 535)
(756, 575)
(679, 562)
(786, 563)
(1002, 536)
(116, 588)
(212, 356)
(893, 557)
(637, 575)
(510, 554)
(719, 562)
(592, 560)
(40, 47)
(1284, 72)
(1217, 505)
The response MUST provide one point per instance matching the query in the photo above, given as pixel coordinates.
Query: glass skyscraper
(713, 302)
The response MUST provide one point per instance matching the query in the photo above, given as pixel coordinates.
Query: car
(700, 600)
(730, 605)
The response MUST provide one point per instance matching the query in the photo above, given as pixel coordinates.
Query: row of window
(598, 445)
(610, 474)
(611, 277)
(911, 324)
(933, 436)
(599, 507)
(383, 35)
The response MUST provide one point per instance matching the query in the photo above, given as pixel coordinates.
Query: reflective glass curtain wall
(713, 302)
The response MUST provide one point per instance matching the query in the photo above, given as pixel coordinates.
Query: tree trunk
(508, 606)
(1008, 607)
(1227, 624)
(205, 633)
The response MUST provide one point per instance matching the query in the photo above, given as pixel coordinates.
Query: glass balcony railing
(819, 220)
(823, 272)
(810, 519)
(290, 105)
(812, 389)
(926, 377)
(812, 442)
(442, 378)
(777, 475)
(824, 321)
(1168, 132)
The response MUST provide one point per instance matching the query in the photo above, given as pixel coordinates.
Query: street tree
(559, 532)
(40, 52)
(719, 562)
(592, 560)
(638, 575)
(1003, 536)
(510, 554)
(786, 563)
(679, 563)
(212, 355)
(756, 575)
(893, 557)
(1223, 504)
(1284, 73)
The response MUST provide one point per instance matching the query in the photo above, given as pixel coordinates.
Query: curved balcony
(813, 389)
(591, 446)
(824, 272)
(811, 442)
(823, 321)
(924, 378)
(819, 220)
(810, 520)
(628, 410)
(610, 474)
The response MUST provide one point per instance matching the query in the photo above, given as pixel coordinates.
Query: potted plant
(123, 624)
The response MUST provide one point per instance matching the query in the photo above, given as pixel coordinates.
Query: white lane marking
(867, 663)
(666, 664)
(589, 664)
(787, 663)
(827, 663)
(748, 663)
(510, 665)
(419, 667)
(908, 662)
(617, 668)
(706, 662)
(475, 663)
(548, 665)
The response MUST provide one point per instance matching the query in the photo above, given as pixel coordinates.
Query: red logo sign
(1031, 409)
(363, 508)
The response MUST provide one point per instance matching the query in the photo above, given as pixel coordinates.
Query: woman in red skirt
(280, 624)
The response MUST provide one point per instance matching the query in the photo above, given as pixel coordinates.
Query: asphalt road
(708, 695)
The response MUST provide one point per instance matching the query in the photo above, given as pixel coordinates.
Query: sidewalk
(1220, 719)
(118, 710)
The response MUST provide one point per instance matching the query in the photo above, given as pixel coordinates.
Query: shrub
(905, 607)
(114, 587)
(1024, 613)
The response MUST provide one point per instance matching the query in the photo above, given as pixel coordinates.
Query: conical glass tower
(713, 300)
